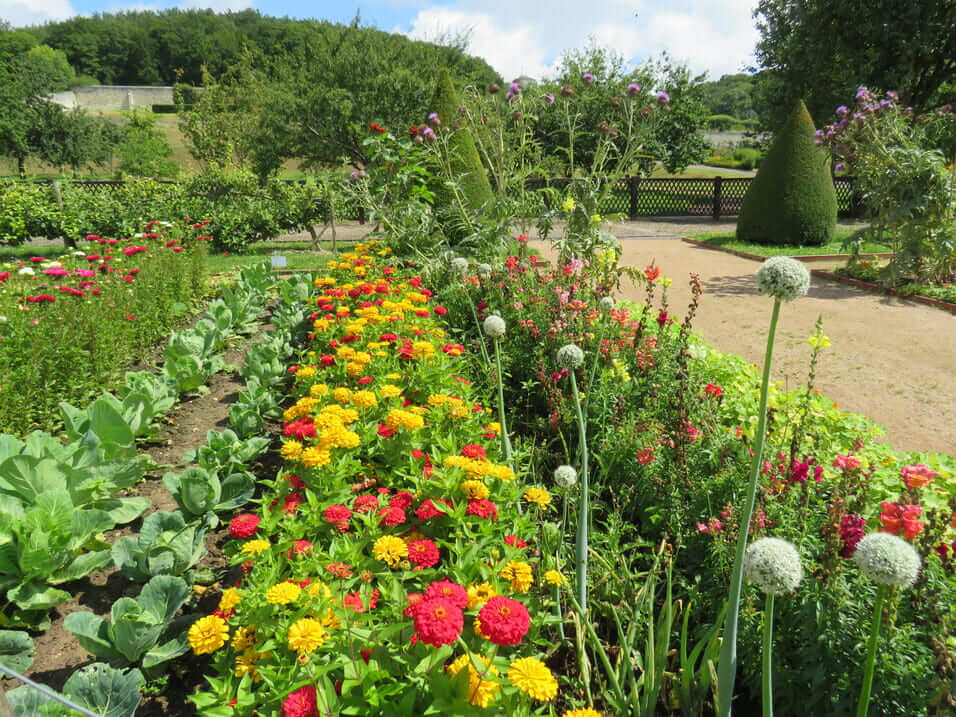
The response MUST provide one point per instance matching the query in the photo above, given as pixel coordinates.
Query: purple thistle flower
(842, 111)
(587, 78)
(428, 134)
(893, 95)
(663, 98)
(515, 87)
(548, 98)
(840, 168)
(434, 120)
(633, 89)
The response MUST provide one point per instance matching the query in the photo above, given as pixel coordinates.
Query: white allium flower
(607, 303)
(565, 476)
(773, 565)
(887, 559)
(494, 326)
(459, 265)
(570, 356)
(783, 278)
(484, 269)
(25, 271)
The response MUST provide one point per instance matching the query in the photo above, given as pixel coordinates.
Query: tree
(730, 95)
(74, 139)
(44, 61)
(823, 50)
(144, 150)
(792, 199)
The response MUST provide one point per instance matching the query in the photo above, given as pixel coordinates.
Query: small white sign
(278, 261)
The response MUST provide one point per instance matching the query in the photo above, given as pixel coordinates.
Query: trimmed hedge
(792, 199)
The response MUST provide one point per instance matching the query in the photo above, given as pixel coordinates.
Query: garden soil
(892, 360)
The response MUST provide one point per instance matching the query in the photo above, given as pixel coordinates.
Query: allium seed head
(887, 559)
(494, 327)
(565, 476)
(783, 278)
(484, 269)
(570, 356)
(773, 565)
(606, 303)
(459, 265)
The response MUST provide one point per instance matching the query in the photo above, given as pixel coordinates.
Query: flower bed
(70, 325)
(396, 566)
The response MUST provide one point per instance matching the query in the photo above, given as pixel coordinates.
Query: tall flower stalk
(890, 562)
(571, 357)
(785, 279)
(494, 328)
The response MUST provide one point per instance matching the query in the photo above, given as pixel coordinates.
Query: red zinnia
(292, 503)
(447, 590)
(385, 432)
(473, 450)
(428, 510)
(423, 553)
(515, 542)
(244, 526)
(437, 621)
(504, 621)
(302, 428)
(300, 703)
(483, 508)
(339, 570)
(365, 504)
(392, 516)
(338, 515)
(300, 547)
(403, 499)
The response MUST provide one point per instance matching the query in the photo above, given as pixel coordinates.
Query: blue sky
(516, 37)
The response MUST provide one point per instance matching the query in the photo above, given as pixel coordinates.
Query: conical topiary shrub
(463, 161)
(792, 199)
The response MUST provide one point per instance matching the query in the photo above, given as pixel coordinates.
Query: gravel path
(892, 360)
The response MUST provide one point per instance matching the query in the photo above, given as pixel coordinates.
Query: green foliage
(140, 631)
(16, 650)
(732, 96)
(99, 688)
(144, 150)
(43, 60)
(822, 51)
(199, 491)
(165, 545)
(462, 186)
(792, 199)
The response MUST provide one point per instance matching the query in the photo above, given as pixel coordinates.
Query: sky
(516, 37)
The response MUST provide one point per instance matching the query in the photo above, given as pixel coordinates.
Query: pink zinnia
(300, 703)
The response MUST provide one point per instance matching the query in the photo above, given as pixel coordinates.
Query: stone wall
(114, 97)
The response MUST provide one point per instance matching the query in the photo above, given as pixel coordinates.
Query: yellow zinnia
(538, 496)
(390, 549)
(306, 635)
(519, 574)
(533, 677)
(208, 634)
(283, 593)
(254, 547)
(481, 692)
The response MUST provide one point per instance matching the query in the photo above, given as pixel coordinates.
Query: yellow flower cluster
(399, 418)
(208, 634)
(306, 635)
(481, 692)
(315, 457)
(390, 550)
(283, 593)
(479, 594)
(254, 547)
(364, 399)
(246, 664)
(474, 489)
(389, 391)
(533, 677)
(539, 496)
(244, 639)
(230, 598)
(291, 450)
(479, 468)
(519, 573)
(553, 577)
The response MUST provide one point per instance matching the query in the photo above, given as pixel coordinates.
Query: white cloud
(519, 37)
(20, 13)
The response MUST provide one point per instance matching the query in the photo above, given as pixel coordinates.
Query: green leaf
(123, 510)
(27, 702)
(92, 632)
(176, 644)
(105, 690)
(81, 566)
(163, 596)
(237, 490)
(25, 477)
(108, 423)
(16, 650)
(37, 596)
(132, 631)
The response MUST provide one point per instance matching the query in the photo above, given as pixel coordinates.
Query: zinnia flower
(423, 553)
(208, 634)
(283, 593)
(437, 621)
(306, 635)
(481, 692)
(244, 526)
(533, 677)
(300, 703)
(519, 574)
(390, 550)
(448, 590)
(538, 496)
(583, 712)
(504, 621)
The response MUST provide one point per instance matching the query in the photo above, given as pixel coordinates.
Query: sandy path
(891, 360)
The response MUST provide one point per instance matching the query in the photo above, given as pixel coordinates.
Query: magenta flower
(633, 89)
(663, 98)
(842, 111)
(588, 78)
(428, 134)
(548, 98)
(433, 120)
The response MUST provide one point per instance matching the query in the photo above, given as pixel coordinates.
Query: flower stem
(727, 667)
(767, 692)
(505, 441)
(581, 541)
(870, 664)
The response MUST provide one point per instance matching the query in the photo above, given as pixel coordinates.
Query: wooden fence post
(717, 198)
(634, 185)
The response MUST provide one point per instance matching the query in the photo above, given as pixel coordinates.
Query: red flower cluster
(483, 508)
(898, 518)
(423, 553)
(301, 703)
(851, 533)
(376, 128)
(300, 429)
(244, 526)
(917, 476)
(428, 510)
(438, 621)
(365, 504)
(504, 621)
(338, 516)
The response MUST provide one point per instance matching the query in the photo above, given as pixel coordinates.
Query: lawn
(728, 240)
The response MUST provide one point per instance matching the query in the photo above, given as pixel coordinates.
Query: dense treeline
(174, 45)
